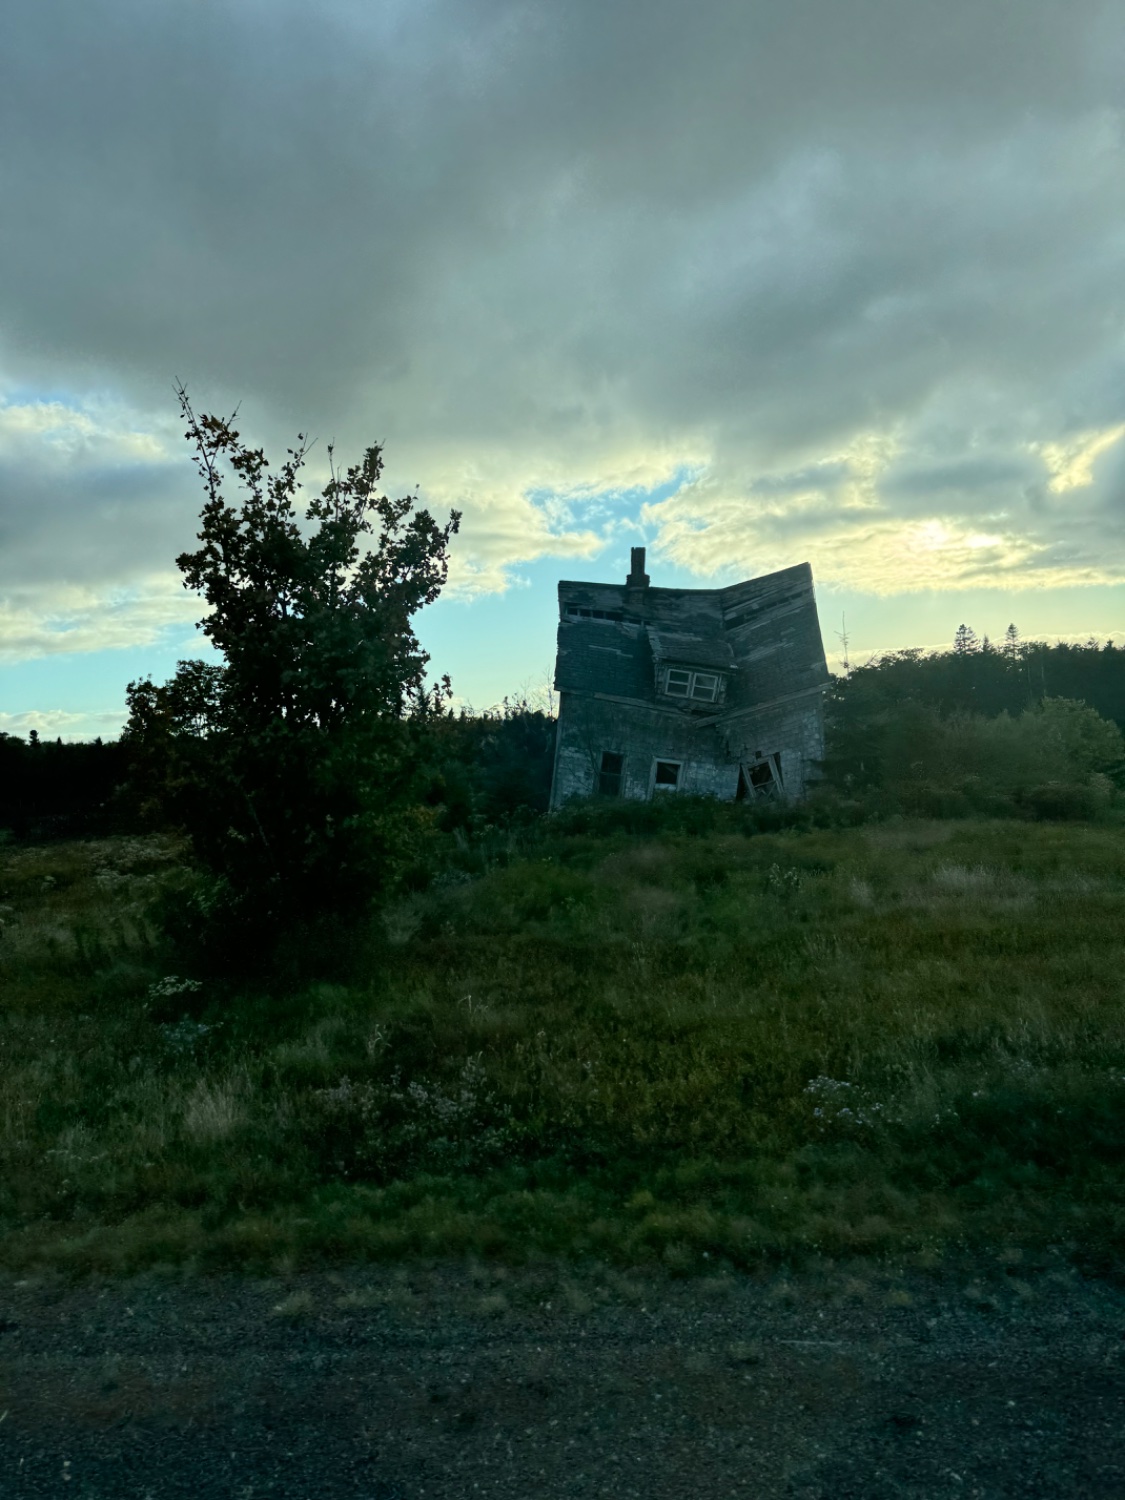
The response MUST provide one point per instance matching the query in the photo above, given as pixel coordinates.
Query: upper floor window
(702, 687)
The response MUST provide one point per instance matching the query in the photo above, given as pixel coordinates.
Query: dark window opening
(579, 612)
(666, 776)
(609, 778)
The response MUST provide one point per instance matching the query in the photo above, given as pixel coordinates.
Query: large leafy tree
(294, 764)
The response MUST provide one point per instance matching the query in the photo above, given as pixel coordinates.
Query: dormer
(698, 686)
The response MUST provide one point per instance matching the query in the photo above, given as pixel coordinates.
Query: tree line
(976, 676)
(1026, 728)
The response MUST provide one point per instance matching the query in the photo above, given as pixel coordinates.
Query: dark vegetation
(492, 770)
(52, 789)
(1026, 730)
(686, 1048)
(981, 678)
(294, 765)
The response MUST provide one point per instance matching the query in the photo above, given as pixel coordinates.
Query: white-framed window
(702, 687)
(666, 775)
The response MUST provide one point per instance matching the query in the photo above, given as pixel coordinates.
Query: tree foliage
(1026, 728)
(989, 680)
(494, 768)
(294, 763)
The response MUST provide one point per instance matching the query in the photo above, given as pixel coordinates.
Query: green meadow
(676, 1047)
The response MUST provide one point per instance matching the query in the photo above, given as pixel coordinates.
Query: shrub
(297, 766)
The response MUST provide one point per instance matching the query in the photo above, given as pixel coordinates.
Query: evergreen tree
(965, 640)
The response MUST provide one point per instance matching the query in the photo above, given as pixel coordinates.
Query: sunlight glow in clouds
(835, 507)
(78, 619)
(1071, 464)
(50, 428)
(751, 283)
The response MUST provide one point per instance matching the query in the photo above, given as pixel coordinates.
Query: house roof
(690, 648)
(763, 634)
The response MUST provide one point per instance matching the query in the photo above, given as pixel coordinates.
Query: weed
(783, 883)
(214, 1110)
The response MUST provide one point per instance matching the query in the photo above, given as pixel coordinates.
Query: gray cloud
(535, 246)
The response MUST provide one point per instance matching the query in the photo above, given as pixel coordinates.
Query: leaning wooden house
(713, 692)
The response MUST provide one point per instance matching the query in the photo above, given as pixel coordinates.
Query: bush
(916, 760)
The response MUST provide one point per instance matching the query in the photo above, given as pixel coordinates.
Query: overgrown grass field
(654, 1049)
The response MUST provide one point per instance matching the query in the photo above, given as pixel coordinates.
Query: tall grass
(646, 1045)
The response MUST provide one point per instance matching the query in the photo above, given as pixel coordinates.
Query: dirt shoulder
(396, 1385)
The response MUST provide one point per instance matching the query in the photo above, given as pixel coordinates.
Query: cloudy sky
(749, 282)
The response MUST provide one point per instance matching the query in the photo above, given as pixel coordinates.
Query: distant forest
(979, 677)
(57, 789)
(905, 713)
(1021, 729)
(484, 768)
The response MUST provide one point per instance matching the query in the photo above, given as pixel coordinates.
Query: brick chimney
(638, 578)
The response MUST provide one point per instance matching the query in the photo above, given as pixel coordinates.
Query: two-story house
(714, 692)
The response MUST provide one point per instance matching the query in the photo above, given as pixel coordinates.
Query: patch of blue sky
(495, 645)
(501, 644)
(79, 400)
(92, 684)
(616, 508)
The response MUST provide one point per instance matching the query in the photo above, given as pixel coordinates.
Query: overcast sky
(751, 282)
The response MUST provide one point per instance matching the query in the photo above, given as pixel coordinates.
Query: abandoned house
(709, 692)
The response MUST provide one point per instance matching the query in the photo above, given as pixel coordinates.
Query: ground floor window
(760, 777)
(609, 777)
(666, 775)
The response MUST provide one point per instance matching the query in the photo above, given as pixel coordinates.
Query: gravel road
(396, 1385)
